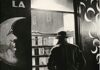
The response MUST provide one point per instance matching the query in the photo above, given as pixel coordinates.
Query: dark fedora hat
(61, 34)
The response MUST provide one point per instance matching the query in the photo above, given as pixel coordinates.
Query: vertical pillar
(77, 23)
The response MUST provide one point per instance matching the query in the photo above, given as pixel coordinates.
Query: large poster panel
(89, 11)
(15, 35)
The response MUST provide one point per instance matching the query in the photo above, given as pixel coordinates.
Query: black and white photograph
(49, 34)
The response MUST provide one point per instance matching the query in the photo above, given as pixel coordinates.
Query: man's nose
(14, 37)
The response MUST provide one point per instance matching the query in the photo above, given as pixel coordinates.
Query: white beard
(8, 57)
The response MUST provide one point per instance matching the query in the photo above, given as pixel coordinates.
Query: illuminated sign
(20, 4)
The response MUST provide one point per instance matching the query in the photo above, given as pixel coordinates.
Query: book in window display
(43, 61)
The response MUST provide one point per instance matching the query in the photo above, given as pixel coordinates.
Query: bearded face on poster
(8, 41)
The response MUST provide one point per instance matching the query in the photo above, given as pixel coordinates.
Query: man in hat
(65, 56)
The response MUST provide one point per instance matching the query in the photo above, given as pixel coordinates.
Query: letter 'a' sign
(20, 4)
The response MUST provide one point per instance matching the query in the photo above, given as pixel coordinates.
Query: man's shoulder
(55, 47)
(73, 45)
